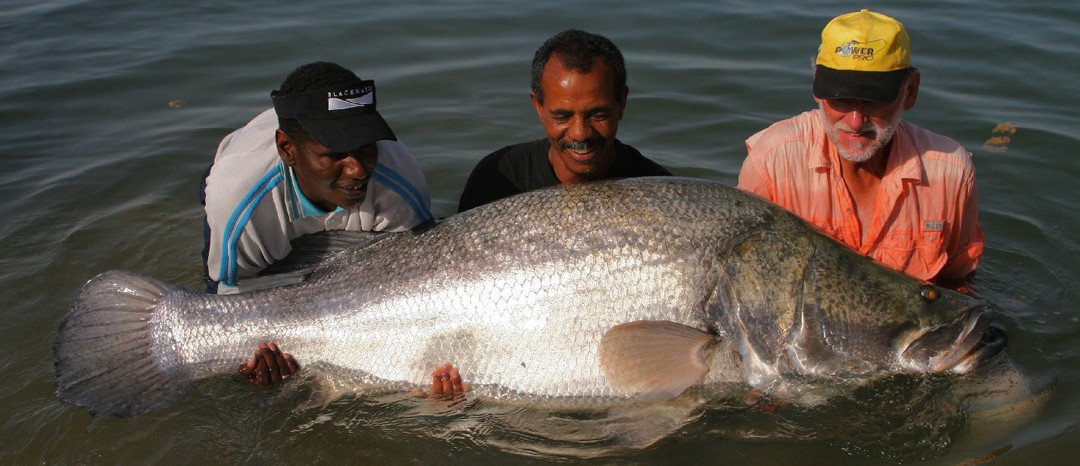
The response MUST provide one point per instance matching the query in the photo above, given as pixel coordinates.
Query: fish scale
(621, 290)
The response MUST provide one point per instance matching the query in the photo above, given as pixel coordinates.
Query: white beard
(883, 133)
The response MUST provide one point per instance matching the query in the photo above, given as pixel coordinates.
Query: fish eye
(929, 293)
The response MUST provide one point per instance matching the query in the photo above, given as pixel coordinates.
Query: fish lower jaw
(980, 346)
(957, 347)
(964, 366)
(959, 362)
(956, 360)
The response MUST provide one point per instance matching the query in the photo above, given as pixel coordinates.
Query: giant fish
(619, 290)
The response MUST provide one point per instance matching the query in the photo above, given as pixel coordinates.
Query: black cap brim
(349, 133)
(874, 86)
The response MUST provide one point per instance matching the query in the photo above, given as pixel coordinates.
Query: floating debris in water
(177, 103)
(1000, 137)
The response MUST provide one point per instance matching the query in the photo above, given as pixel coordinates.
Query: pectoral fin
(655, 360)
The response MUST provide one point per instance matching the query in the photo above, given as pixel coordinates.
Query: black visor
(342, 118)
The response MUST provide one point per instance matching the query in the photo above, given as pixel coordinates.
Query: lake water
(111, 109)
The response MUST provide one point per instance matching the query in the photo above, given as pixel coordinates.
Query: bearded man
(889, 189)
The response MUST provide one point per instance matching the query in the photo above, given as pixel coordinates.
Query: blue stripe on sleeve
(404, 189)
(238, 220)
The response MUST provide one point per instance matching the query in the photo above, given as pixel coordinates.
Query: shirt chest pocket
(921, 255)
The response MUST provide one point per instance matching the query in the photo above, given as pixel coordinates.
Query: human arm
(631, 163)
(244, 204)
(486, 184)
(400, 193)
(241, 246)
(966, 242)
(753, 177)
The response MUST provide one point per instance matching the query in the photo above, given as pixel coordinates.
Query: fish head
(855, 317)
(954, 333)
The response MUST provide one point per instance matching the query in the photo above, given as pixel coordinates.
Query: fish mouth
(959, 346)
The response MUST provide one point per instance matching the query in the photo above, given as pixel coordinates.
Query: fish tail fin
(104, 351)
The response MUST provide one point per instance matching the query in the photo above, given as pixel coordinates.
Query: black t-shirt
(524, 167)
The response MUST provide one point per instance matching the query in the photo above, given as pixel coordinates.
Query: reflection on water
(1000, 138)
(900, 418)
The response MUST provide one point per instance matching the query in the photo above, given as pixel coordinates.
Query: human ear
(286, 147)
(539, 106)
(912, 85)
(622, 101)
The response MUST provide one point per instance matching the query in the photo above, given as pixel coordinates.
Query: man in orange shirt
(892, 191)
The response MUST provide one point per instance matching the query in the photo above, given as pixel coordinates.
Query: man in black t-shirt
(579, 91)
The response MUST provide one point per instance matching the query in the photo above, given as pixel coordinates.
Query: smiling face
(327, 178)
(861, 129)
(580, 114)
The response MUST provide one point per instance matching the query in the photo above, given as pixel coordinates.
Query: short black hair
(309, 77)
(578, 49)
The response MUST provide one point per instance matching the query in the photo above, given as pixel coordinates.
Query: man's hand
(269, 365)
(446, 383)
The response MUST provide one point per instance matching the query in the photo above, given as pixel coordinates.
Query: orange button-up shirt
(925, 220)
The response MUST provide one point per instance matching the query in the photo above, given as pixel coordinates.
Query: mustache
(583, 146)
(357, 184)
(868, 127)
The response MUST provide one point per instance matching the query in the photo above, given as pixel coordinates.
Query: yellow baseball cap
(863, 55)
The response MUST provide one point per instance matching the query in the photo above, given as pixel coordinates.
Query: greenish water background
(98, 171)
